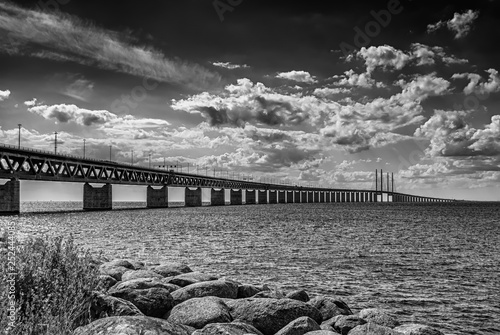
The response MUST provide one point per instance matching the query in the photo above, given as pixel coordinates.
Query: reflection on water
(431, 263)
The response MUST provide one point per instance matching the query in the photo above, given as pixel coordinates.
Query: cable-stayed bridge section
(18, 164)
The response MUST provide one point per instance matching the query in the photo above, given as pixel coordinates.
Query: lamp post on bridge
(84, 140)
(110, 152)
(149, 159)
(19, 136)
(55, 142)
(132, 157)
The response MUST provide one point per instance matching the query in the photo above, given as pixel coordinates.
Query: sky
(310, 93)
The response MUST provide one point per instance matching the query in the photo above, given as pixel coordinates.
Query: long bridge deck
(30, 164)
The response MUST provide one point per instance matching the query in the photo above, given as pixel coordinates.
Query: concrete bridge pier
(273, 197)
(281, 197)
(217, 198)
(10, 197)
(316, 196)
(236, 197)
(296, 197)
(262, 196)
(97, 198)
(250, 198)
(192, 198)
(157, 198)
(310, 196)
(289, 197)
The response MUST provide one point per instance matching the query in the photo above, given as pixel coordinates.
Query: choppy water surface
(437, 264)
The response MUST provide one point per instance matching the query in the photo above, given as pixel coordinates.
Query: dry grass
(53, 284)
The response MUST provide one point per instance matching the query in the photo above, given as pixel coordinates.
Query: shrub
(54, 281)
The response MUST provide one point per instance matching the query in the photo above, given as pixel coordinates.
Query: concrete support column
(289, 197)
(10, 197)
(321, 197)
(262, 196)
(236, 197)
(192, 198)
(281, 197)
(250, 197)
(310, 196)
(97, 199)
(316, 196)
(296, 197)
(217, 198)
(337, 197)
(273, 197)
(157, 198)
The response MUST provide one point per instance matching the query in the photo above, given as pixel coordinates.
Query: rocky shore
(170, 299)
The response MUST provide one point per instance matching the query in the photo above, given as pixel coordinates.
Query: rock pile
(171, 299)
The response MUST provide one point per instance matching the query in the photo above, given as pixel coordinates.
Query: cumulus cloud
(299, 76)
(460, 24)
(422, 87)
(477, 85)
(4, 95)
(31, 103)
(385, 56)
(62, 37)
(326, 92)
(63, 113)
(451, 135)
(350, 78)
(228, 65)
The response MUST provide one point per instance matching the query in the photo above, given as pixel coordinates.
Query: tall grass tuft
(53, 284)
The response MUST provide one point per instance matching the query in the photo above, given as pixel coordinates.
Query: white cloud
(422, 87)
(300, 76)
(476, 85)
(80, 89)
(230, 66)
(4, 95)
(385, 56)
(31, 103)
(460, 24)
(350, 78)
(63, 37)
(326, 92)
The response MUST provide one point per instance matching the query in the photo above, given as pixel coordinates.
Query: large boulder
(270, 315)
(121, 325)
(138, 265)
(106, 282)
(269, 294)
(330, 307)
(116, 268)
(103, 306)
(155, 301)
(190, 278)
(417, 329)
(345, 323)
(233, 328)
(371, 328)
(199, 312)
(141, 284)
(247, 291)
(299, 295)
(299, 326)
(378, 316)
(137, 274)
(171, 269)
(216, 288)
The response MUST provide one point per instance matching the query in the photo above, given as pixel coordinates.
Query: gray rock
(371, 328)
(171, 269)
(137, 274)
(233, 328)
(114, 271)
(155, 301)
(190, 278)
(247, 291)
(299, 326)
(106, 282)
(321, 332)
(270, 315)
(269, 294)
(199, 312)
(417, 329)
(330, 307)
(120, 262)
(120, 325)
(103, 306)
(143, 283)
(216, 288)
(331, 321)
(138, 265)
(345, 323)
(379, 316)
(299, 295)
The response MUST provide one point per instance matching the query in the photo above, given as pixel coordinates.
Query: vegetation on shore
(52, 285)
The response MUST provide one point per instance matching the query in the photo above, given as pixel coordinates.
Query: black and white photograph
(235, 167)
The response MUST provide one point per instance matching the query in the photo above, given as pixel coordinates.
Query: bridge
(17, 163)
